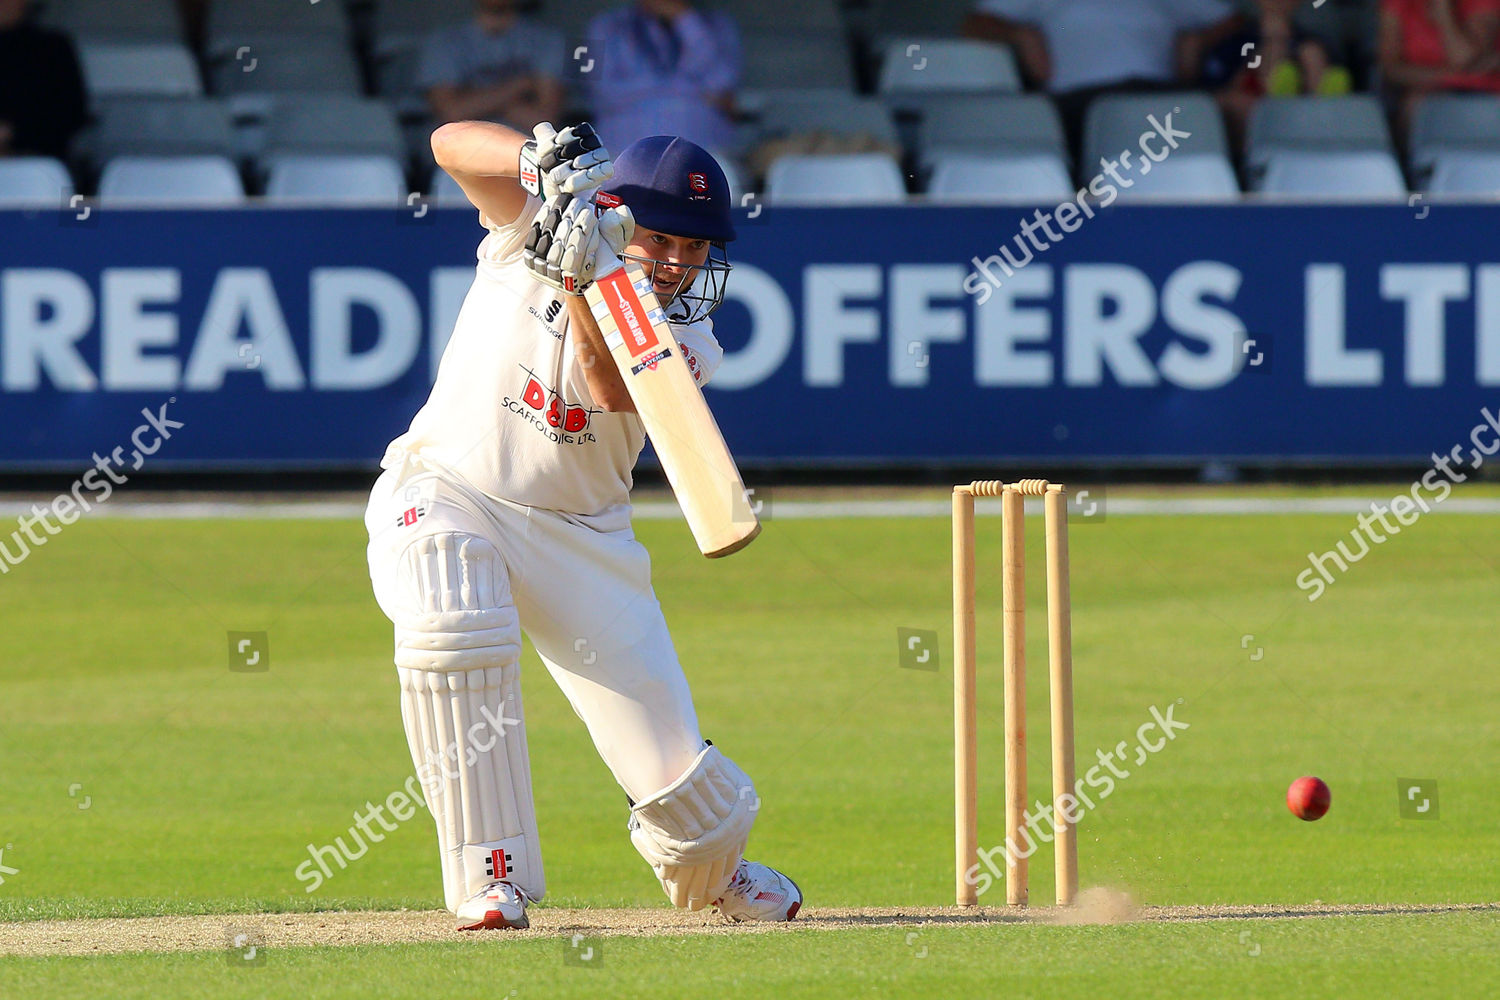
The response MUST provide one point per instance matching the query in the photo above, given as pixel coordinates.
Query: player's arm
(599, 369)
(483, 158)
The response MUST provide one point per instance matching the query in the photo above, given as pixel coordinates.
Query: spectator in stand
(1272, 57)
(42, 99)
(1078, 49)
(663, 67)
(1431, 45)
(497, 67)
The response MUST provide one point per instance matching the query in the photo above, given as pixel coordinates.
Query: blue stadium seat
(924, 65)
(177, 181)
(1359, 174)
(851, 178)
(833, 112)
(1004, 123)
(396, 81)
(1184, 177)
(139, 69)
(1471, 173)
(1453, 123)
(402, 25)
(785, 61)
(164, 126)
(336, 180)
(232, 22)
(1003, 177)
(114, 21)
(34, 182)
(333, 123)
(1354, 123)
(1115, 123)
(884, 20)
(278, 63)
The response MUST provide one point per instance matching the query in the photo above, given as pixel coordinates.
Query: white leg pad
(457, 655)
(694, 831)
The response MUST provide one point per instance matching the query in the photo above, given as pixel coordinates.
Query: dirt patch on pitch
(378, 927)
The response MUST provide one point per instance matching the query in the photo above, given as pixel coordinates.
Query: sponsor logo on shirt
(549, 414)
(546, 318)
(693, 365)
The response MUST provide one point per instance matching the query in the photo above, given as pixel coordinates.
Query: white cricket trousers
(582, 589)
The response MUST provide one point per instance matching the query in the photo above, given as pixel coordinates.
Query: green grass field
(203, 787)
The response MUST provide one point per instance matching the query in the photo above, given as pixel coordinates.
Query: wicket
(1060, 655)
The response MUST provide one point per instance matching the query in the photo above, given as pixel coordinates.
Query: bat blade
(687, 439)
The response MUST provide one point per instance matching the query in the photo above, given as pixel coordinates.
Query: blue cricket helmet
(674, 186)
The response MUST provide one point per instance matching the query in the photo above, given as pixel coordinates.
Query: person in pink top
(1432, 45)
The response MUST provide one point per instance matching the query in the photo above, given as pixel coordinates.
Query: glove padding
(572, 243)
(570, 161)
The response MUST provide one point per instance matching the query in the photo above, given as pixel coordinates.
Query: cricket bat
(687, 439)
(682, 429)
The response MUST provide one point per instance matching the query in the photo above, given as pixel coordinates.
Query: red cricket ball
(1308, 798)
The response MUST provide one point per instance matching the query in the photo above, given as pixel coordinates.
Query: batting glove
(572, 243)
(568, 162)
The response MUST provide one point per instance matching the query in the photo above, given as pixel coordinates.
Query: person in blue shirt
(663, 67)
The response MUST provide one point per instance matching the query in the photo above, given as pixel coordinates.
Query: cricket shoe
(497, 906)
(760, 893)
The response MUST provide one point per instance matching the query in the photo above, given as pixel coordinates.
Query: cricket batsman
(506, 506)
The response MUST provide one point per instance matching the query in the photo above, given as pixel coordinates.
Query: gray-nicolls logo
(553, 310)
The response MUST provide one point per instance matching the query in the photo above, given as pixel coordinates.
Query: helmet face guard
(675, 187)
(699, 291)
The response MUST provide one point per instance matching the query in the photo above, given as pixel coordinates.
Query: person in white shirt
(506, 506)
(1077, 49)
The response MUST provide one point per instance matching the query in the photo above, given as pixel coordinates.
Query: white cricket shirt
(510, 411)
